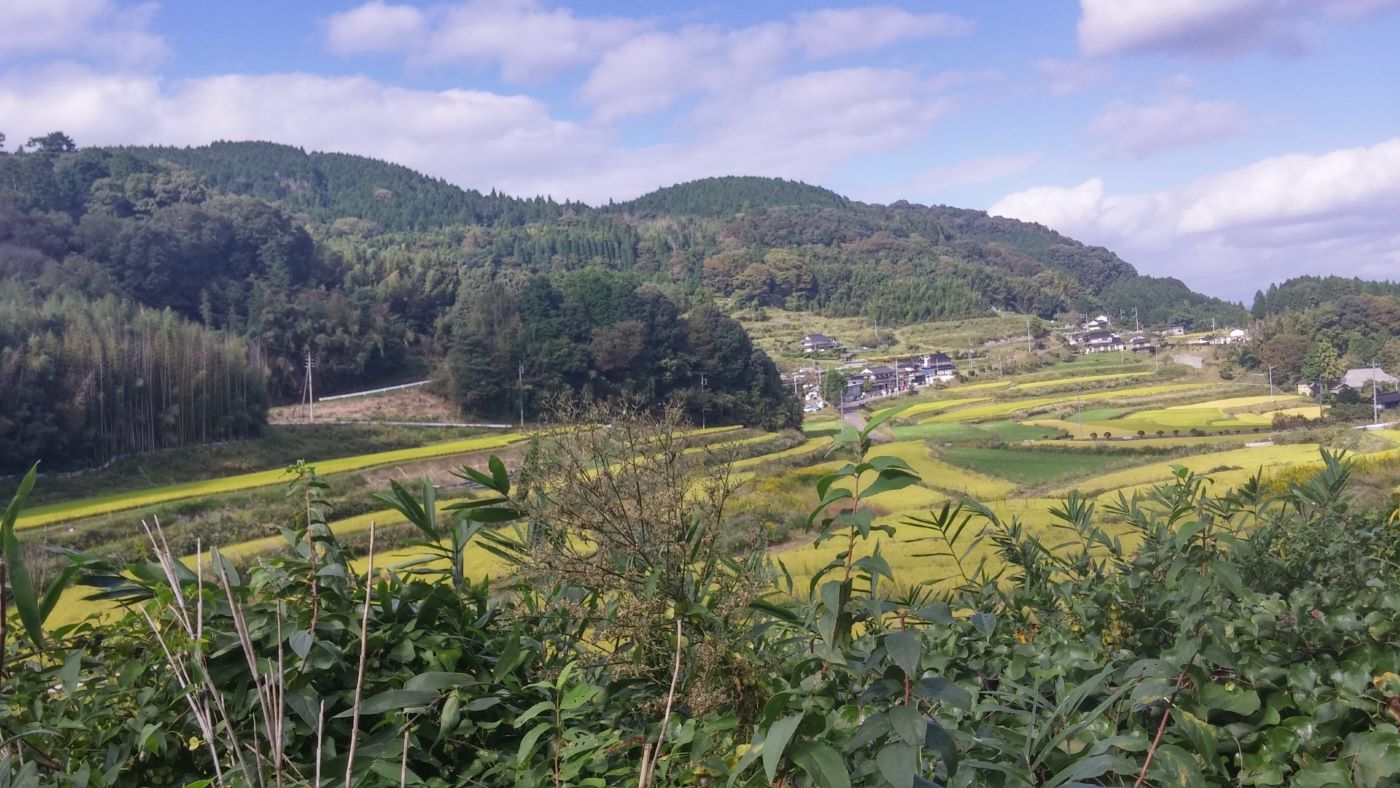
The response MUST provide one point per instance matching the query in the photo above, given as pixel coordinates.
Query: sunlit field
(1005, 443)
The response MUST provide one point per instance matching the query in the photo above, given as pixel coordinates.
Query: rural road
(853, 417)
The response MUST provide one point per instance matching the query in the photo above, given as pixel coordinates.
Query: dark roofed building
(813, 343)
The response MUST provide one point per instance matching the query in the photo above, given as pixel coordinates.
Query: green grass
(278, 444)
(943, 433)
(1074, 381)
(131, 499)
(822, 427)
(1001, 409)
(1030, 467)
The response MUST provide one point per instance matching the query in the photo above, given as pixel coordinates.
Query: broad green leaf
(880, 418)
(823, 764)
(943, 690)
(301, 642)
(898, 763)
(577, 696)
(908, 723)
(775, 741)
(889, 481)
(1203, 735)
(533, 712)
(904, 649)
(1081, 770)
(21, 586)
(527, 744)
(436, 681)
(68, 676)
(451, 716)
(393, 700)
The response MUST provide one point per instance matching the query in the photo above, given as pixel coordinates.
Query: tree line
(84, 381)
(598, 334)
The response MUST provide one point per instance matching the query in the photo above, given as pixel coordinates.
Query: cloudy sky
(1227, 142)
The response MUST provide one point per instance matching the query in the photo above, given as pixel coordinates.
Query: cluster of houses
(870, 380)
(1095, 336)
(902, 375)
(1381, 385)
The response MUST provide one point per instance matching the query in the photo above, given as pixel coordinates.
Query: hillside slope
(330, 186)
(759, 241)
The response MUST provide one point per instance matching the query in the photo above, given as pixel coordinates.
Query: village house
(874, 380)
(1174, 331)
(1101, 341)
(1141, 344)
(1388, 400)
(939, 366)
(1096, 323)
(1364, 377)
(815, 343)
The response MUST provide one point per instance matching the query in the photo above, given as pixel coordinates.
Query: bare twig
(320, 737)
(1162, 726)
(360, 677)
(403, 760)
(649, 764)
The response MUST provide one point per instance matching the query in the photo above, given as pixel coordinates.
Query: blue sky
(1227, 142)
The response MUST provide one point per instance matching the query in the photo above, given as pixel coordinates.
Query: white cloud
(651, 71)
(1071, 76)
(473, 137)
(1140, 131)
(637, 68)
(375, 27)
(97, 29)
(525, 39)
(1216, 27)
(1282, 216)
(804, 126)
(528, 41)
(834, 31)
(983, 169)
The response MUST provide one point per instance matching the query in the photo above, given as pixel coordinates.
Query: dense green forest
(381, 273)
(899, 264)
(1312, 328)
(600, 334)
(84, 381)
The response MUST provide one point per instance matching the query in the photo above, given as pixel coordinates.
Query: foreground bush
(1186, 637)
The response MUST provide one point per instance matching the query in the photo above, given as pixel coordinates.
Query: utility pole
(702, 400)
(520, 392)
(1375, 400)
(1137, 324)
(1030, 347)
(1271, 384)
(310, 393)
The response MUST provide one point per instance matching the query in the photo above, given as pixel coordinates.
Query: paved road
(852, 416)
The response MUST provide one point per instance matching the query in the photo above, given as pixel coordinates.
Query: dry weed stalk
(360, 673)
(629, 506)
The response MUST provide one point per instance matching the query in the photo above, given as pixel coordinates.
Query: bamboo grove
(85, 381)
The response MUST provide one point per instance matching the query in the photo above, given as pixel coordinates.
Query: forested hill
(1315, 327)
(758, 241)
(330, 186)
(728, 195)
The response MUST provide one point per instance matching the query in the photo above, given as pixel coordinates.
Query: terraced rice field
(1058, 382)
(953, 438)
(1002, 409)
(132, 499)
(1028, 467)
